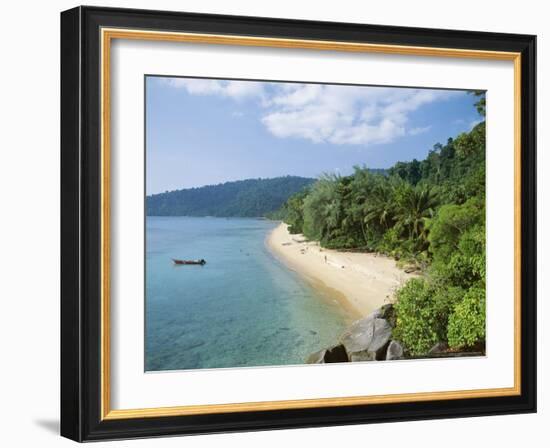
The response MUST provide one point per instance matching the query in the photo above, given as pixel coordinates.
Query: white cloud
(233, 89)
(345, 115)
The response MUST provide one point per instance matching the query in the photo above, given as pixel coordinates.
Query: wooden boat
(202, 261)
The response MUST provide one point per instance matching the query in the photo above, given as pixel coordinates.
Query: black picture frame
(81, 224)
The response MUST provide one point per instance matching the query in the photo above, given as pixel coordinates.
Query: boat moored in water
(201, 262)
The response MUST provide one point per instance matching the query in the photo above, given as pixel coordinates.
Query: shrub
(339, 242)
(467, 323)
(391, 243)
(423, 310)
(294, 230)
(450, 224)
(466, 266)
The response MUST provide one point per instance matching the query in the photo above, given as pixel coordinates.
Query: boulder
(440, 347)
(336, 353)
(377, 313)
(316, 358)
(394, 351)
(381, 337)
(386, 312)
(359, 335)
(367, 339)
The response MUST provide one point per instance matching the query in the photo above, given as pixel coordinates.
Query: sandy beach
(362, 282)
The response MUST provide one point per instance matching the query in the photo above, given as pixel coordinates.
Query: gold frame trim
(107, 35)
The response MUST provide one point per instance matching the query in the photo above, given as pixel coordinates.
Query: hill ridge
(255, 197)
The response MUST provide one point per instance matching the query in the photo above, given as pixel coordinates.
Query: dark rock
(367, 339)
(381, 338)
(394, 351)
(386, 311)
(336, 354)
(440, 347)
(329, 355)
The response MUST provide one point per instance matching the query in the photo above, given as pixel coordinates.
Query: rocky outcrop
(368, 339)
(316, 358)
(440, 347)
(336, 353)
(385, 312)
(395, 351)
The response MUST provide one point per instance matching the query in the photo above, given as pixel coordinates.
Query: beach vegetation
(429, 213)
(467, 322)
(423, 308)
(292, 212)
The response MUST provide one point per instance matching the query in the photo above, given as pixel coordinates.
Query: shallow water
(243, 308)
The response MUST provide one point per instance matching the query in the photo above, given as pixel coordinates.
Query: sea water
(242, 308)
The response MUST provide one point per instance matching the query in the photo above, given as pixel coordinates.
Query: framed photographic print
(274, 223)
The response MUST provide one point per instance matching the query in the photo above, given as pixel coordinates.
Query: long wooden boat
(202, 261)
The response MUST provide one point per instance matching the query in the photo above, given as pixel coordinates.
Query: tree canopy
(427, 212)
(245, 198)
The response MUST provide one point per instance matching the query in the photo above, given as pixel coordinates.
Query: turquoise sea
(243, 308)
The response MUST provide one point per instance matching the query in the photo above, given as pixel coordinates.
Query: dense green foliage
(246, 198)
(423, 309)
(391, 212)
(430, 213)
(291, 211)
(467, 323)
(457, 239)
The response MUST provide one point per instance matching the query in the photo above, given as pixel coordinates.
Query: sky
(207, 131)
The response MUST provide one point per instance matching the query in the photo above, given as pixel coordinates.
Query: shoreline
(360, 282)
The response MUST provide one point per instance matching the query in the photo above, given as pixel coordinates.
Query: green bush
(466, 267)
(450, 223)
(391, 242)
(467, 322)
(293, 211)
(423, 310)
(394, 244)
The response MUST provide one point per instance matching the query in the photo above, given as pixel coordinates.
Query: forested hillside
(430, 213)
(245, 198)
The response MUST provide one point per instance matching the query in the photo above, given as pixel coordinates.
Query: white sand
(363, 281)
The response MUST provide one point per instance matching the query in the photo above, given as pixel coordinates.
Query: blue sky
(204, 131)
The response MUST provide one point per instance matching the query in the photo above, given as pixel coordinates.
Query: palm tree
(331, 213)
(415, 205)
(379, 210)
(319, 208)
